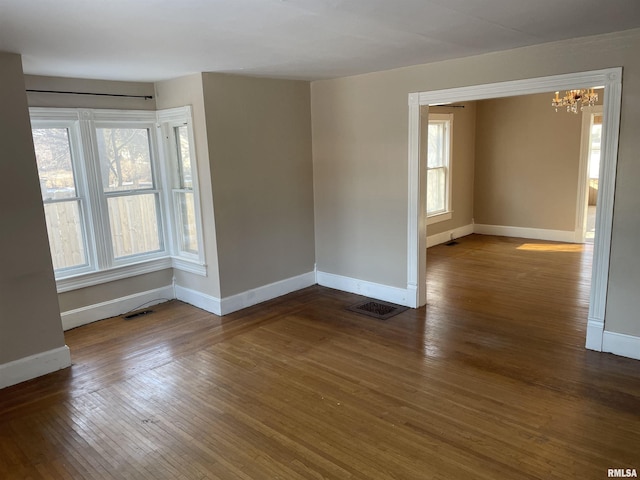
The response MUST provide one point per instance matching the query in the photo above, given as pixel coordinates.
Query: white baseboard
(34, 366)
(595, 329)
(444, 237)
(117, 306)
(399, 296)
(198, 299)
(520, 232)
(245, 299)
(621, 344)
(267, 292)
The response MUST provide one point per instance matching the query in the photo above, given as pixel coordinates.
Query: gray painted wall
(36, 82)
(527, 163)
(259, 137)
(177, 93)
(29, 316)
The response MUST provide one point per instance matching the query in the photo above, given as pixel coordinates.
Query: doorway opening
(590, 153)
(611, 81)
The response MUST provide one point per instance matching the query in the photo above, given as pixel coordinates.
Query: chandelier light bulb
(573, 98)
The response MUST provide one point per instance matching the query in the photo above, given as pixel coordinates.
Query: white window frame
(101, 265)
(168, 120)
(447, 120)
(128, 119)
(69, 119)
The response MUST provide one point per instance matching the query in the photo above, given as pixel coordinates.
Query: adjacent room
(514, 167)
(310, 239)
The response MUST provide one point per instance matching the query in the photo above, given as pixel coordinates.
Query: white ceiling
(148, 40)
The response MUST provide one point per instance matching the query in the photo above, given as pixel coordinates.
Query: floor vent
(377, 309)
(139, 313)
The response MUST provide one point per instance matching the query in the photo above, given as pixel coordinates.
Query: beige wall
(359, 127)
(105, 292)
(463, 152)
(29, 316)
(177, 93)
(360, 130)
(34, 82)
(259, 140)
(527, 163)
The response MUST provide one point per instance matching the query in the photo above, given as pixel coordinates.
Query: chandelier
(573, 98)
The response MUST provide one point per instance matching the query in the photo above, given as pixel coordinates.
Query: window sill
(90, 279)
(439, 217)
(190, 266)
(117, 273)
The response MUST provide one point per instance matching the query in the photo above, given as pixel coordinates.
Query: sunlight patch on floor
(550, 247)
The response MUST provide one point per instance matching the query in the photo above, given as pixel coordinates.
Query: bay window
(115, 206)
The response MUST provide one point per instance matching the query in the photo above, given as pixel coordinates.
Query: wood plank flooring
(489, 381)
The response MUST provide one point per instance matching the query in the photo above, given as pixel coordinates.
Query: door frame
(611, 80)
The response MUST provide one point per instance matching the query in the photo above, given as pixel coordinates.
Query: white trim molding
(189, 266)
(117, 306)
(266, 292)
(417, 210)
(439, 217)
(198, 299)
(34, 366)
(112, 274)
(610, 79)
(567, 236)
(621, 344)
(595, 330)
(444, 237)
(245, 299)
(399, 296)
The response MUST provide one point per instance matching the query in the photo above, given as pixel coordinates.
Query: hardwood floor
(490, 381)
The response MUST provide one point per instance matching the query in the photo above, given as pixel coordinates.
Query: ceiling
(149, 40)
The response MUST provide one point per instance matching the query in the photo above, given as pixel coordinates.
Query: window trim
(97, 277)
(439, 217)
(70, 119)
(168, 120)
(129, 119)
(447, 213)
(102, 266)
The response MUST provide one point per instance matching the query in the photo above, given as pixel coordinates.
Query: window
(129, 188)
(185, 207)
(439, 167)
(106, 200)
(56, 146)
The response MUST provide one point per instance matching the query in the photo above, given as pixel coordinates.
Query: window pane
(64, 228)
(436, 192)
(594, 149)
(125, 158)
(184, 157)
(187, 222)
(53, 156)
(436, 144)
(134, 224)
